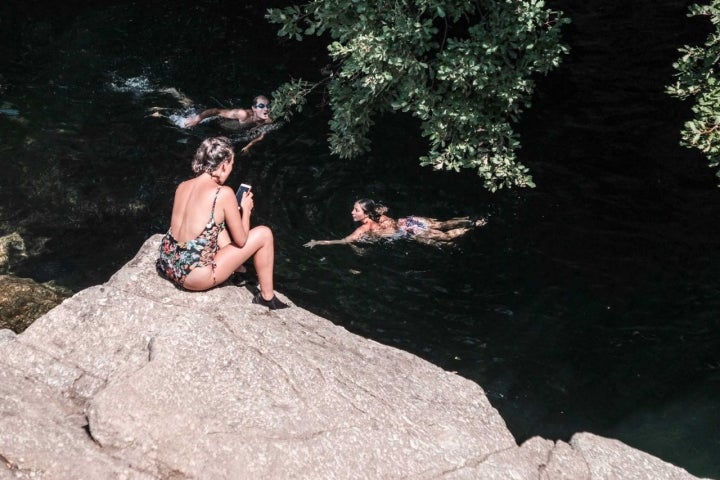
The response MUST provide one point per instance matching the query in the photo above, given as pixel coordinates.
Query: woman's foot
(273, 304)
(476, 221)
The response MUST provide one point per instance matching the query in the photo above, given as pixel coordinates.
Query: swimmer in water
(374, 224)
(258, 114)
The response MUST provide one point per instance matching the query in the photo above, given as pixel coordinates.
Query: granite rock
(136, 379)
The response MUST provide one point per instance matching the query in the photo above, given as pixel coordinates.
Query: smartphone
(244, 187)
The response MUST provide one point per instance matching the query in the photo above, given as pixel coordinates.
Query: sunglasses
(262, 105)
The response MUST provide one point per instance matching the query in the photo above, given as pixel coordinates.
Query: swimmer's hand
(192, 121)
(311, 243)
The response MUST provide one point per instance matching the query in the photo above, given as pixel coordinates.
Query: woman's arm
(359, 233)
(313, 243)
(238, 224)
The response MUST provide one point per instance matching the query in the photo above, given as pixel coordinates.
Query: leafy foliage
(697, 77)
(463, 67)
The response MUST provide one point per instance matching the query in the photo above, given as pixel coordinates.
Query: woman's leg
(439, 235)
(261, 246)
(223, 240)
(264, 261)
(260, 243)
(456, 222)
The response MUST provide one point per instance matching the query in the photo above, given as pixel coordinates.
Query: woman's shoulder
(226, 197)
(186, 183)
(184, 187)
(200, 189)
(376, 228)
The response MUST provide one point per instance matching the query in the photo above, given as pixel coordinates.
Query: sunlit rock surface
(135, 379)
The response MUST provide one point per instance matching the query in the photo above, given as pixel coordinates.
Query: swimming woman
(374, 224)
(209, 236)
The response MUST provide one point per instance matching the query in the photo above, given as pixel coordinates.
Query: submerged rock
(136, 379)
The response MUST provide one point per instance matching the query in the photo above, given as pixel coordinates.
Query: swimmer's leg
(478, 221)
(178, 95)
(156, 113)
(448, 224)
(457, 222)
(441, 236)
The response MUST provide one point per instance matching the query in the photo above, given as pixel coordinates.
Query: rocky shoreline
(136, 379)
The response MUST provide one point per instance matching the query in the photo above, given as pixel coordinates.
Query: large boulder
(135, 379)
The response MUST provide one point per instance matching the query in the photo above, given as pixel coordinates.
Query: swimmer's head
(211, 153)
(370, 208)
(261, 107)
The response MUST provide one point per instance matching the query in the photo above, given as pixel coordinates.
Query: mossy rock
(23, 300)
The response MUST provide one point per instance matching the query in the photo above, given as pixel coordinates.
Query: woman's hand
(247, 203)
(311, 243)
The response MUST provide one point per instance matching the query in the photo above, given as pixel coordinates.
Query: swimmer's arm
(237, 113)
(254, 141)
(195, 119)
(358, 234)
(314, 243)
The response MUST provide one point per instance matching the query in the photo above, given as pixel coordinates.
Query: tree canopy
(464, 68)
(697, 78)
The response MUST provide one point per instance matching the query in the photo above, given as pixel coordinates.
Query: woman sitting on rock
(209, 236)
(374, 224)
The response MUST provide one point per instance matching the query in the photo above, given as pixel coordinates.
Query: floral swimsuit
(178, 259)
(409, 227)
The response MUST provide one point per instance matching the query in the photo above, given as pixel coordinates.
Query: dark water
(590, 303)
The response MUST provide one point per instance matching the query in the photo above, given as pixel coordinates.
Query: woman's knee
(262, 233)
